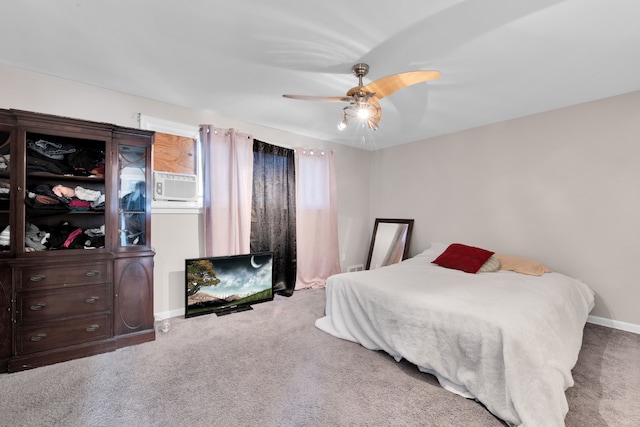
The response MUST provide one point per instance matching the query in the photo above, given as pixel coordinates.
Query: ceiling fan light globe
(363, 112)
(342, 125)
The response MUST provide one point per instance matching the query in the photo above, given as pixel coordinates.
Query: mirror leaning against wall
(390, 242)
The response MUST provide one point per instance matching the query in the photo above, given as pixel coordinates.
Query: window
(176, 149)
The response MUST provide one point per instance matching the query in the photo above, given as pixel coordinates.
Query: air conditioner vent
(174, 186)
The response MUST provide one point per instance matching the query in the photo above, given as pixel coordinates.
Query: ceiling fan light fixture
(364, 111)
(364, 99)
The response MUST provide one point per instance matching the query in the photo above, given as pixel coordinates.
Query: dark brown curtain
(273, 211)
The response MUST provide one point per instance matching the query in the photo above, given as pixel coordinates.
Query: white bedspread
(507, 339)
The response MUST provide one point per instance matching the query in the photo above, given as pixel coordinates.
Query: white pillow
(433, 251)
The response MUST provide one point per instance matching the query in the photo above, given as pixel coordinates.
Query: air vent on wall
(175, 186)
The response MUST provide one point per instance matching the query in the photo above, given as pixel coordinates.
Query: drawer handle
(91, 300)
(38, 337)
(92, 328)
(38, 306)
(92, 273)
(38, 277)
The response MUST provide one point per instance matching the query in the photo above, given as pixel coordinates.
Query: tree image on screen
(200, 273)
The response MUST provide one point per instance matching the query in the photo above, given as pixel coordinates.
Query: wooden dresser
(76, 264)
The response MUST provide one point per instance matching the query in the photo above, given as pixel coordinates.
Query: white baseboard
(615, 324)
(168, 314)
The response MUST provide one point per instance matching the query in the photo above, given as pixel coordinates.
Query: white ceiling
(499, 59)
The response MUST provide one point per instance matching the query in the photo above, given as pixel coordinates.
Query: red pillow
(462, 257)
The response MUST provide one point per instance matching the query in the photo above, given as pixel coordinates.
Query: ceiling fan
(363, 99)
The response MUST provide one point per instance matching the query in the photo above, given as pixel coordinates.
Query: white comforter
(507, 339)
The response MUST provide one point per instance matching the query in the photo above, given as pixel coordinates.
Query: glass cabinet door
(132, 202)
(5, 186)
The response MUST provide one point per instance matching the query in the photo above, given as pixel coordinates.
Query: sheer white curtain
(228, 179)
(316, 218)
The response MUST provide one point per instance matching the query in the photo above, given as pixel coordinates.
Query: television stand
(233, 309)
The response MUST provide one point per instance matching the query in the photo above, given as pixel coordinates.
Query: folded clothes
(87, 194)
(98, 205)
(71, 237)
(46, 200)
(5, 236)
(4, 162)
(50, 149)
(58, 235)
(62, 191)
(79, 205)
(92, 232)
(46, 190)
(38, 209)
(98, 170)
(33, 237)
(86, 159)
(93, 242)
(38, 163)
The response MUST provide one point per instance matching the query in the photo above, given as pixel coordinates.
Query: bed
(504, 338)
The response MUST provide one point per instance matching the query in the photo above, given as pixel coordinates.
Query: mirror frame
(407, 245)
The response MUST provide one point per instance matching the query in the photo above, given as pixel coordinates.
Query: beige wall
(561, 187)
(178, 236)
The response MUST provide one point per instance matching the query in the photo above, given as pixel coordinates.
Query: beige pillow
(521, 265)
(491, 265)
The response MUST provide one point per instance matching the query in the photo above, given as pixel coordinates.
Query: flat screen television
(227, 284)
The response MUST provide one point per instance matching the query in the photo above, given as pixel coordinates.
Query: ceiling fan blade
(388, 85)
(320, 98)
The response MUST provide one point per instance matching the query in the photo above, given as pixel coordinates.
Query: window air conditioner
(175, 186)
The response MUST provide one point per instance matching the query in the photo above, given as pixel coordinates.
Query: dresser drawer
(52, 275)
(47, 336)
(63, 302)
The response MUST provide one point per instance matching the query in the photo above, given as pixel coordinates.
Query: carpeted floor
(271, 367)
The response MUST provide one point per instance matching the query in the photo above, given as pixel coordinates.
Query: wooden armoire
(76, 264)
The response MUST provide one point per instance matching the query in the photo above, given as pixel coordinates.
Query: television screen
(226, 284)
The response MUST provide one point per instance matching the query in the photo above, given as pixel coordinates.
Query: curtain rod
(226, 131)
(311, 151)
(314, 151)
